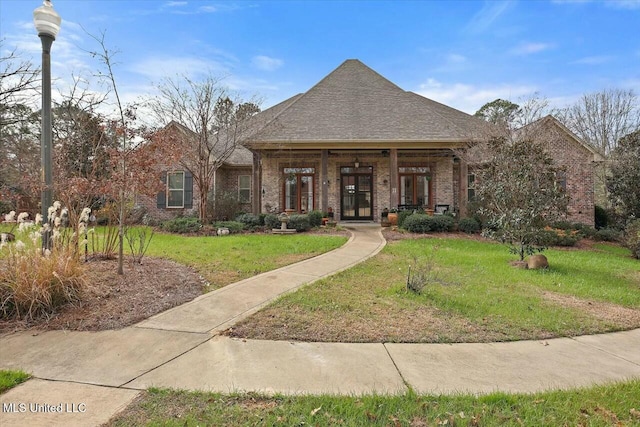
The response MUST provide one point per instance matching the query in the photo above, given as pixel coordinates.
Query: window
(471, 186)
(415, 186)
(298, 189)
(244, 188)
(175, 189)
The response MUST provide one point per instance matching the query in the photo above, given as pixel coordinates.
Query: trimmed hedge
(182, 225)
(299, 222)
(423, 223)
(233, 226)
(469, 225)
(402, 216)
(607, 234)
(271, 221)
(250, 220)
(558, 237)
(315, 218)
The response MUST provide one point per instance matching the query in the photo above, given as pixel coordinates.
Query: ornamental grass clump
(33, 283)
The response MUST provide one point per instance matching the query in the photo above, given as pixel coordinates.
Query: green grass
(616, 404)
(224, 260)
(10, 379)
(474, 296)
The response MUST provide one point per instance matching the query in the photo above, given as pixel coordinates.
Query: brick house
(356, 143)
(179, 198)
(579, 160)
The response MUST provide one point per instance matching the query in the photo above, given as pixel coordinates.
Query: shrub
(442, 223)
(418, 223)
(601, 217)
(607, 234)
(299, 222)
(139, 239)
(225, 206)
(34, 284)
(585, 230)
(421, 274)
(182, 225)
(558, 237)
(315, 218)
(403, 215)
(271, 221)
(233, 226)
(632, 238)
(249, 220)
(469, 225)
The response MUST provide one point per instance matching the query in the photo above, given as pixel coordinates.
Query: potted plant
(384, 217)
(392, 216)
(325, 218)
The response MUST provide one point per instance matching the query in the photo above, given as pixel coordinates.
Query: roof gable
(550, 121)
(356, 104)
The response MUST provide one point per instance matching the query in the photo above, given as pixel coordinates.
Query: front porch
(358, 184)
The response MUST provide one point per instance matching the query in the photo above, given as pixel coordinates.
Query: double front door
(356, 193)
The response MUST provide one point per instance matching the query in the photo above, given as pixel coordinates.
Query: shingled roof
(356, 104)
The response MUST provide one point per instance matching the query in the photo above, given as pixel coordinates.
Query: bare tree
(82, 148)
(120, 129)
(17, 78)
(602, 118)
(217, 124)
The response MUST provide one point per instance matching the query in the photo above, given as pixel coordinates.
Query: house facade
(356, 144)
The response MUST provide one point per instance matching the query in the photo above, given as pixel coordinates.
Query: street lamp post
(47, 23)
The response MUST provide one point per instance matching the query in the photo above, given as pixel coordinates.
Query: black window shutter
(188, 190)
(161, 198)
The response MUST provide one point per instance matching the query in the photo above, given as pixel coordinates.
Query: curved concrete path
(92, 375)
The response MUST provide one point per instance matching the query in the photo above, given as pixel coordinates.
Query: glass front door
(356, 193)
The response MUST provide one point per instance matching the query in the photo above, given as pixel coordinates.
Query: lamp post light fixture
(47, 23)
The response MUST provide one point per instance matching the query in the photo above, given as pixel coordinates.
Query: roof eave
(358, 144)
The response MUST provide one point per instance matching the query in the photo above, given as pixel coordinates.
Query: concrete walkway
(92, 375)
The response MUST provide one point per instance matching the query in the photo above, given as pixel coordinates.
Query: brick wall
(273, 164)
(579, 166)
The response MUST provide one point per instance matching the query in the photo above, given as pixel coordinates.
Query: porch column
(393, 177)
(256, 185)
(324, 176)
(462, 193)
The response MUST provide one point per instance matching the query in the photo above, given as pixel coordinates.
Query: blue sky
(461, 53)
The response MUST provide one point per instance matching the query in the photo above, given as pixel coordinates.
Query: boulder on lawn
(535, 262)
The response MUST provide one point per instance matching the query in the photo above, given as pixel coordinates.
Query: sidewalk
(180, 348)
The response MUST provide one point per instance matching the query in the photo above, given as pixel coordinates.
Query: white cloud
(155, 68)
(613, 4)
(468, 97)
(529, 48)
(175, 4)
(624, 4)
(455, 58)
(266, 63)
(490, 12)
(593, 60)
(208, 9)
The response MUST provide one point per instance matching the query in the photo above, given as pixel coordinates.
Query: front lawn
(616, 404)
(473, 295)
(228, 259)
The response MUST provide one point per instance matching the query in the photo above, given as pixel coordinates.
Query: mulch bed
(113, 302)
